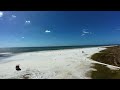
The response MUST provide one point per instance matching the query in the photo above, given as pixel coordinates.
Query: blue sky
(56, 28)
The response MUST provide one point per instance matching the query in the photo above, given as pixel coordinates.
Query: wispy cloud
(47, 31)
(1, 14)
(84, 32)
(13, 16)
(27, 22)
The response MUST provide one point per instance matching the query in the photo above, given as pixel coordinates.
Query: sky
(58, 28)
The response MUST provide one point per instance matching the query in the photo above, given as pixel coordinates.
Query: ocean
(8, 52)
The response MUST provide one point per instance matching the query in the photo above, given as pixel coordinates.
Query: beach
(54, 64)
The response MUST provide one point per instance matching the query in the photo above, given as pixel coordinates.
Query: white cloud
(13, 16)
(27, 22)
(1, 14)
(47, 31)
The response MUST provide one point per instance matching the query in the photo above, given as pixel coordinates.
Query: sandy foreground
(57, 64)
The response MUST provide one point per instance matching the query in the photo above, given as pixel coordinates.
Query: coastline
(58, 64)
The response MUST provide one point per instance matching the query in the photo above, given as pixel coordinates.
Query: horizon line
(62, 45)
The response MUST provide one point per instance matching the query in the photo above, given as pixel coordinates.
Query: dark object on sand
(82, 51)
(18, 68)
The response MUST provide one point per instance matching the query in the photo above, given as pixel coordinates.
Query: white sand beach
(56, 64)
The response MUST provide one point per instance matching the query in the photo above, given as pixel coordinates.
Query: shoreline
(55, 64)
